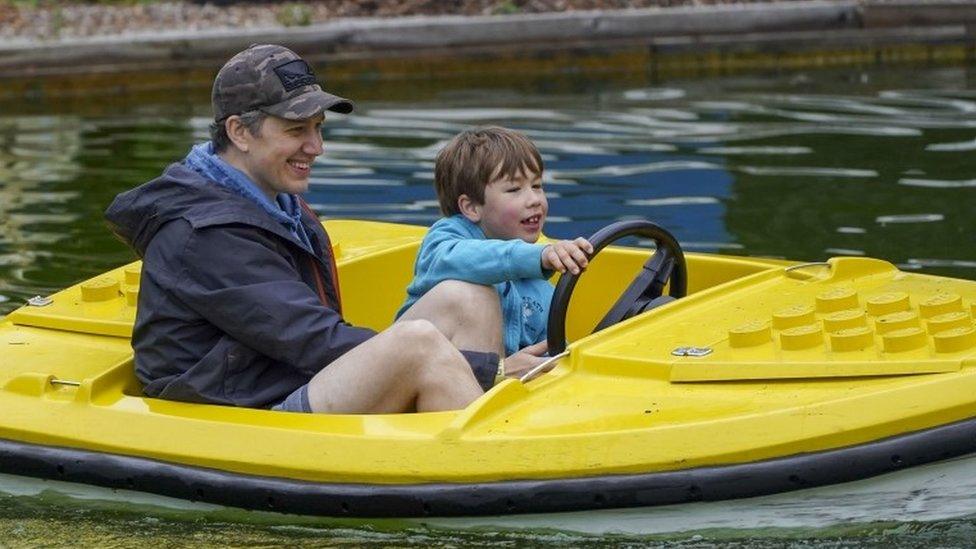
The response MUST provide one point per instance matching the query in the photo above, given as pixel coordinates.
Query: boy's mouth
(532, 221)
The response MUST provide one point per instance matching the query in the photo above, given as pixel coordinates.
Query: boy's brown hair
(474, 158)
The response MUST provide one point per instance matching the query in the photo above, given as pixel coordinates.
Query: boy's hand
(567, 255)
(519, 363)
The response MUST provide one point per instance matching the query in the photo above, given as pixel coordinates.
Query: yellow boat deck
(800, 359)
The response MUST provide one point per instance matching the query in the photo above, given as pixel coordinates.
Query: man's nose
(314, 144)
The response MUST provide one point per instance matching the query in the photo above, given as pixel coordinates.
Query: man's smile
(302, 167)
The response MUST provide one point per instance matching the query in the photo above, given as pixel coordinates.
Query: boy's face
(514, 208)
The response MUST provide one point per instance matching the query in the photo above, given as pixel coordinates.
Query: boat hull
(738, 481)
(939, 491)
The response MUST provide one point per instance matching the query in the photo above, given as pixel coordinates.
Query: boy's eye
(537, 186)
(512, 190)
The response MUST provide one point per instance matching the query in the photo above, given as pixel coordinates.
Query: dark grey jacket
(232, 309)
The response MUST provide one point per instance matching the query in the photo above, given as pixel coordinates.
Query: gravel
(50, 21)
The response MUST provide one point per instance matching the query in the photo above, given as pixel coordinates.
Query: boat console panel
(845, 318)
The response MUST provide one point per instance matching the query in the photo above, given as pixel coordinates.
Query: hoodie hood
(135, 216)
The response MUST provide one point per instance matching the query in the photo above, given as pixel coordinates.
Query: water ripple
(462, 114)
(937, 183)
(392, 133)
(654, 94)
(674, 201)
(844, 251)
(929, 262)
(635, 169)
(952, 147)
(355, 208)
(793, 171)
(837, 103)
(755, 150)
(354, 182)
(667, 114)
(910, 218)
(373, 120)
(925, 99)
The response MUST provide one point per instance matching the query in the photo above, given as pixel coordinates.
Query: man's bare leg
(468, 314)
(410, 366)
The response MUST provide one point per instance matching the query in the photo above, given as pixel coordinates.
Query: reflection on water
(877, 163)
(57, 174)
(36, 154)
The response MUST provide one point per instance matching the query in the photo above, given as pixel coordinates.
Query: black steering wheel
(643, 294)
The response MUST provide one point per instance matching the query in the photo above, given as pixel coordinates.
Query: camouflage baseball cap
(274, 80)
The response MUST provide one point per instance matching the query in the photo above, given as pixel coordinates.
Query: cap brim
(309, 104)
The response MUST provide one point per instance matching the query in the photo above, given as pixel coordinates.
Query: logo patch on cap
(295, 74)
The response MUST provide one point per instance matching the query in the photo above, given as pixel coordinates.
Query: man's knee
(425, 346)
(418, 335)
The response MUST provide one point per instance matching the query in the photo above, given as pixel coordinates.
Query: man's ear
(238, 133)
(469, 208)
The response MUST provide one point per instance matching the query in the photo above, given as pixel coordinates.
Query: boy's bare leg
(468, 314)
(410, 366)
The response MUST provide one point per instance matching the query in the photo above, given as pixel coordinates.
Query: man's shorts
(483, 365)
(297, 401)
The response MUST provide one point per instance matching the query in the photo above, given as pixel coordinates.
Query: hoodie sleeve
(240, 283)
(450, 253)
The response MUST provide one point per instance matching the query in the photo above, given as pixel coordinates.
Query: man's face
(279, 159)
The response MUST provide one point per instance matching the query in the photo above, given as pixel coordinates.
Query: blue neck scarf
(286, 209)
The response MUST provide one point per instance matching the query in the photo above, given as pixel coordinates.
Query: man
(239, 300)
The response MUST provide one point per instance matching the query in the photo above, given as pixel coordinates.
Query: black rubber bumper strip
(489, 498)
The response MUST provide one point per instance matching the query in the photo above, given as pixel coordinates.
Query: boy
(489, 185)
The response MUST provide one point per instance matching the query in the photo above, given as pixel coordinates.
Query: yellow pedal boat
(768, 377)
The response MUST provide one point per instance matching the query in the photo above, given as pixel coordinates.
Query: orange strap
(315, 266)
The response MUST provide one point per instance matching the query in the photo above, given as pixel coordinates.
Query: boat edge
(489, 498)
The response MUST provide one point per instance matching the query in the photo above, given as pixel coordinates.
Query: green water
(877, 161)
(32, 523)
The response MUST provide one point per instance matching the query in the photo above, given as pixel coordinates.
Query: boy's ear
(469, 208)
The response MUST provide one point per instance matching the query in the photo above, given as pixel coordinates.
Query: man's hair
(476, 157)
(252, 120)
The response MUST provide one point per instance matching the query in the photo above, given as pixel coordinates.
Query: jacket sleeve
(240, 281)
(448, 253)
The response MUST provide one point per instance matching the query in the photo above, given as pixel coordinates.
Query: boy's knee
(465, 295)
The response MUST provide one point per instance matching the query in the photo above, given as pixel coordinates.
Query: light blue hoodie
(456, 249)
